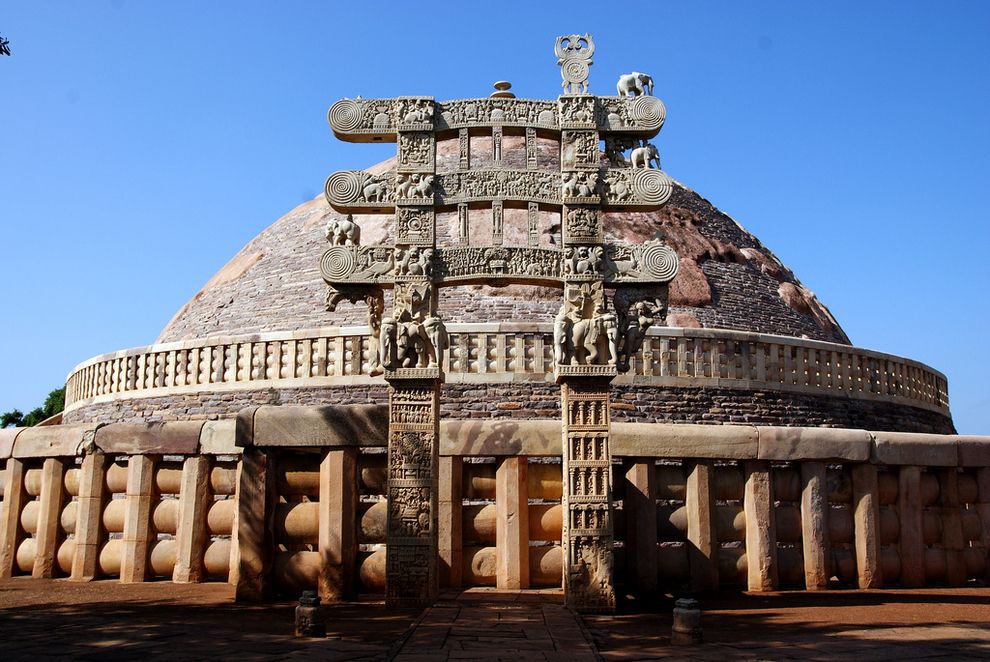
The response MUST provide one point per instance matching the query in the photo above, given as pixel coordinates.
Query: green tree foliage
(54, 403)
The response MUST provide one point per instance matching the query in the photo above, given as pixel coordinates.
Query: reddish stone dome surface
(727, 278)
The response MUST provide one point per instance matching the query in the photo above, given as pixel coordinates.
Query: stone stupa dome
(744, 341)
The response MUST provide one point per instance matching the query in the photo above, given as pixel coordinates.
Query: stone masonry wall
(541, 400)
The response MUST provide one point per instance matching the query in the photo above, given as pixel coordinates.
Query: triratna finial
(574, 57)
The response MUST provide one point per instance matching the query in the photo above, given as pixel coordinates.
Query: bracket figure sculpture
(593, 341)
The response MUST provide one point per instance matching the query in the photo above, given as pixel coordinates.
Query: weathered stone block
(974, 451)
(792, 444)
(171, 438)
(219, 437)
(7, 438)
(331, 425)
(925, 450)
(506, 437)
(52, 441)
(729, 442)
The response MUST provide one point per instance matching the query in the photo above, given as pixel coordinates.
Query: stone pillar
(11, 531)
(640, 506)
(512, 524)
(761, 528)
(49, 516)
(192, 534)
(702, 539)
(589, 584)
(814, 526)
(255, 528)
(450, 498)
(866, 522)
(983, 509)
(89, 524)
(412, 576)
(952, 532)
(137, 519)
(909, 511)
(338, 524)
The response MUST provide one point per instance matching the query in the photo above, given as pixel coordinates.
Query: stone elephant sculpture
(636, 83)
(343, 232)
(645, 156)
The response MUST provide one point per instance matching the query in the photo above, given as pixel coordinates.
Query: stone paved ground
(106, 620)
(930, 624)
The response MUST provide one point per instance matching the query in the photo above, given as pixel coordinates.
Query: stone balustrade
(494, 353)
(697, 507)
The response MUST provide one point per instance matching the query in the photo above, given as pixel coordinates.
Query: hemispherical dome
(727, 278)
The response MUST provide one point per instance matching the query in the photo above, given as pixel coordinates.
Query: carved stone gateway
(592, 341)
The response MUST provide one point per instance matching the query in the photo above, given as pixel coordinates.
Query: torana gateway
(527, 358)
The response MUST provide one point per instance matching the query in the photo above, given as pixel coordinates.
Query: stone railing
(478, 353)
(288, 498)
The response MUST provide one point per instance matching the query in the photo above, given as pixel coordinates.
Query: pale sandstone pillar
(983, 508)
(640, 506)
(909, 510)
(192, 534)
(89, 527)
(255, 538)
(866, 518)
(137, 518)
(952, 532)
(234, 565)
(449, 500)
(814, 525)
(512, 524)
(338, 524)
(11, 531)
(702, 539)
(761, 535)
(49, 516)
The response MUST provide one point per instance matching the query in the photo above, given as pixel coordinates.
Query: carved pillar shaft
(414, 429)
(587, 497)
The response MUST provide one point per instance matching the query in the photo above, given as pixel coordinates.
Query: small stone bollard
(687, 623)
(309, 619)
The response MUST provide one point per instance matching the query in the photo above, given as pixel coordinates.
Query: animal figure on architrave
(343, 232)
(634, 84)
(579, 325)
(645, 156)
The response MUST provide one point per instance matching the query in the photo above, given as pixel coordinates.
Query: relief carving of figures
(494, 261)
(582, 260)
(577, 111)
(634, 84)
(410, 512)
(637, 309)
(580, 184)
(356, 264)
(414, 225)
(616, 147)
(342, 232)
(582, 222)
(414, 261)
(480, 112)
(652, 261)
(416, 150)
(416, 111)
(578, 327)
(414, 186)
(645, 156)
(347, 187)
(498, 184)
(578, 149)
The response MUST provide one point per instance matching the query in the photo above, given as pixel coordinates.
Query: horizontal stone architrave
(219, 437)
(671, 358)
(7, 438)
(171, 438)
(909, 448)
(727, 442)
(330, 425)
(794, 443)
(53, 440)
(367, 426)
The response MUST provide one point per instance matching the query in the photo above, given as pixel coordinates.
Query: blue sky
(142, 144)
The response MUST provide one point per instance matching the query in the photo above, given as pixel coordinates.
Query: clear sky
(143, 144)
